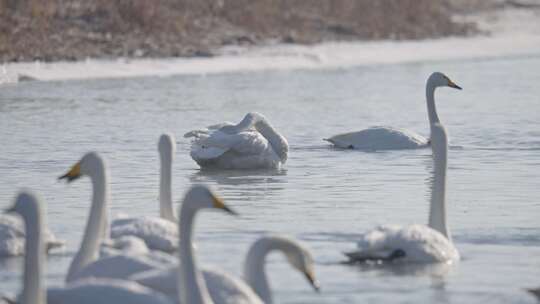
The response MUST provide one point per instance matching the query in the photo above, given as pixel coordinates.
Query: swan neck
(430, 99)
(33, 292)
(277, 141)
(255, 270)
(437, 215)
(192, 287)
(97, 226)
(165, 189)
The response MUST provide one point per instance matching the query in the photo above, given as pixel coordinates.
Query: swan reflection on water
(244, 185)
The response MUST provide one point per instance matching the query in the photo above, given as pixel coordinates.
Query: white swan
(12, 237)
(159, 233)
(85, 263)
(417, 243)
(166, 281)
(252, 143)
(388, 138)
(29, 208)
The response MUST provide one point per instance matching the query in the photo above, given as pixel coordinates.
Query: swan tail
(361, 256)
(53, 244)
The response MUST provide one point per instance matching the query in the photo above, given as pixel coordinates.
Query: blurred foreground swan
(159, 233)
(416, 243)
(388, 138)
(86, 263)
(166, 281)
(83, 292)
(253, 143)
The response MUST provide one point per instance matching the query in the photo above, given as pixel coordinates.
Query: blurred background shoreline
(52, 30)
(129, 38)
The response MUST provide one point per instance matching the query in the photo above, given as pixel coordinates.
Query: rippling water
(323, 196)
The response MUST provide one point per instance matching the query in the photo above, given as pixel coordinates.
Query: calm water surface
(323, 196)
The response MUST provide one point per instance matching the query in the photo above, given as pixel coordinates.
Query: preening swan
(253, 143)
(94, 291)
(417, 243)
(388, 138)
(86, 263)
(159, 233)
(12, 237)
(165, 281)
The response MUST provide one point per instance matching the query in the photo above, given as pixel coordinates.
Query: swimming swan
(94, 291)
(416, 243)
(12, 237)
(86, 263)
(166, 281)
(388, 138)
(253, 143)
(159, 233)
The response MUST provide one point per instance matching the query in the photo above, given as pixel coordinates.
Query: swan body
(94, 291)
(417, 243)
(223, 287)
(159, 233)
(379, 138)
(251, 144)
(12, 237)
(387, 138)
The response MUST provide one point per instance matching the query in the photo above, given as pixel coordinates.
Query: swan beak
(219, 204)
(453, 85)
(73, 173)
(312, 280)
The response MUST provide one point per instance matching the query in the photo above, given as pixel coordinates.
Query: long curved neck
(255, 271)
(165, 189)
(97, 227)
(33, 292)
(437, 215)
(192, 287)
(430, 100)
(277, 141)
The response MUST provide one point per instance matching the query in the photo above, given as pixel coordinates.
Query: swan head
(438, 79)
(86, 166)
(201, 197)
(26, 205)
(300, 258)
(166, 145)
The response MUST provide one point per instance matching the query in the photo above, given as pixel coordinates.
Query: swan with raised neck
(27, 206)
(192, 287)
(97, 228)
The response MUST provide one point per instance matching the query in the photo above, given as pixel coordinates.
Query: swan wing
(117, 267)
(227, 289)
(223, 287)
(12, 237)
(158, 233)
(105, 291)
(379, 138)
(418, 243)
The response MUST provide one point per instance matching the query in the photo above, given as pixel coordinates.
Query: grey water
(323, 196)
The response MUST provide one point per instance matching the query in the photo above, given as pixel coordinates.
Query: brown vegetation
(76, 29)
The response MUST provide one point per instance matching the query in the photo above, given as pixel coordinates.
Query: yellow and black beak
(219, 204)
(312, 280)
(453, 85)
(72, 174)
